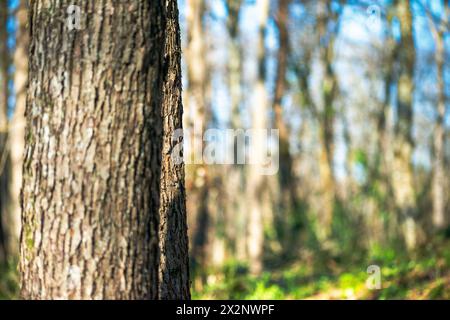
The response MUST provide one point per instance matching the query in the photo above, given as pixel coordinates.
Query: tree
(325, 112)
(439, 174)
(197, 75)
(402, 170)
(17, 127)
(383, 158)
(257, 188)
(103, 206)
(173, 240)
(287, 183)
(4, 150)
(235, 227)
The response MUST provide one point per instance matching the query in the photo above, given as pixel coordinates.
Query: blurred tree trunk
(257, 188)
(17, 128)
(234, 174)
(403, 176)
(288, 197)
(173, 239)
(327, 115)
(235, 60)
(4, 149)
(384, 155)
(197, 104)
(440, 196)
(96, 124)
(282, 18)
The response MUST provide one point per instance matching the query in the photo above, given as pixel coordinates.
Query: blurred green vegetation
(423, 275)
(9, 288)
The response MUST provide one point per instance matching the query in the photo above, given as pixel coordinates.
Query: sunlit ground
(426, 276)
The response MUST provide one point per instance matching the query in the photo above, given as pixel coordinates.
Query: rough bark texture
(93, 156)
(174, 264)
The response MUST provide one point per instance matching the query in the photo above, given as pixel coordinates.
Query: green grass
(426, 276)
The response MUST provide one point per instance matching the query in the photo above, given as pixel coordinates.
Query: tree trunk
(439, 175)
(327, 117)
(282, 18)
(384, 154)
(234, 174)
(287, 202)
(257, 183)
(4, 149)
(197, 104)
(101, 104)
(403, 176)
(173, 240)
(17, 127)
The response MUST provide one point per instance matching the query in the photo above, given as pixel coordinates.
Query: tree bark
(173, 240)
(102, 102)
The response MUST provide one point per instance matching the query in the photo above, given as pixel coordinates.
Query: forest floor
(426, 276)
(9, 279)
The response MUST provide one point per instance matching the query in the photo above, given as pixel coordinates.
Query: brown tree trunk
(17, 126)
(234, 174)
(257, 188)
(4, 145)
(383, 161)
(173, 240)
(287, 186)
(403, 176)
(101, 104)
(197, 103)
(282, 18)
(327, 117)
